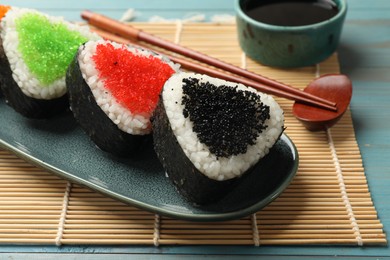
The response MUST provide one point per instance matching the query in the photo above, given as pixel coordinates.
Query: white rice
(27, 82)
(222, 168)
(137, 124)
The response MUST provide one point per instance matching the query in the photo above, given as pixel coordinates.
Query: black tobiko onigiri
(209, 132)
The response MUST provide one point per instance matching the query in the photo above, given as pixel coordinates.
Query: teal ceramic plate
(61, 147)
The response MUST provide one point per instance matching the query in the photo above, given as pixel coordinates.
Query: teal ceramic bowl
(289, 46)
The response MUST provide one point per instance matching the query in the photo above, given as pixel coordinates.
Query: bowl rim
(342, 4)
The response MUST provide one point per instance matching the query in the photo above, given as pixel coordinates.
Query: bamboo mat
(327, 203)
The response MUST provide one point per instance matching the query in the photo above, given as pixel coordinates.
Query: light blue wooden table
(364, 55)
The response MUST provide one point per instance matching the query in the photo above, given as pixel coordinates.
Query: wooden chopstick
(213, 72)
(257, 81)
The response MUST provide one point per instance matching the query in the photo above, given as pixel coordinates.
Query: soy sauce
(290, 12)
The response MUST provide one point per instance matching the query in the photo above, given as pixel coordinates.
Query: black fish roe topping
(225, 119)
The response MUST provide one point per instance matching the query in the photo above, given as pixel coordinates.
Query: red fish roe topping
(134, 80)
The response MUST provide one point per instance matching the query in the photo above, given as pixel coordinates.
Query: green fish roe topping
(47, 48)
